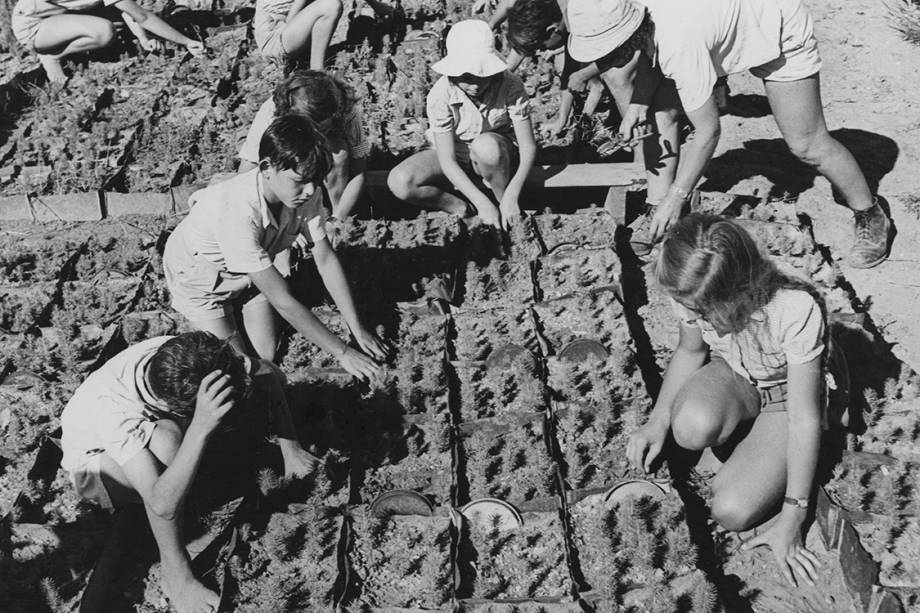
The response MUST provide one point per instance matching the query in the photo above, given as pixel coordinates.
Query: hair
(528, 21)
(178, 366)
(316, 95)
(292, 141)
(713, 266)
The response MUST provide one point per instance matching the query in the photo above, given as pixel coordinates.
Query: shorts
(25, 28)
(267, 29)
(199, 290)
(87, 480)
(799, 57)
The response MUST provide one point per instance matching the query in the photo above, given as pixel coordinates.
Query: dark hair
(528, 21)
(713, 266)
(293, 142)
(177, 367)
(316, 95)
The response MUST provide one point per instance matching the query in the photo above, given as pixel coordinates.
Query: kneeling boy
(137, 428)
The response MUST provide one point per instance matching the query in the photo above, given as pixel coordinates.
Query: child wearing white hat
(480, 131)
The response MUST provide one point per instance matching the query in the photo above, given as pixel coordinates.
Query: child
(331, 105)
(230, 252)
(758, 399)
(289, 29)
(479, 119)
(136, 431)
(57, 29)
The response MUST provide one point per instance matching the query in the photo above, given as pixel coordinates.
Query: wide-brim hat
(597, 27)
(470, 50)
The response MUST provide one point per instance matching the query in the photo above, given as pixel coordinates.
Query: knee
(812, 148)
(487, 152)
(694, 426)
(732, 512)
(103, 33)
(402, 182)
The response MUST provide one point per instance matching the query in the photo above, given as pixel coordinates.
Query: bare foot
(188, 595)
(53, 68)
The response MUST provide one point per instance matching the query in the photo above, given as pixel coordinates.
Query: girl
(479, 122)
(331, 105)
(289, 29)
(62, 27)
(757, 401)
(695, 43)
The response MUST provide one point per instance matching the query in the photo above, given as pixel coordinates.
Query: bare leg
(419, 181)
(490, 154)
(62, 35)
(312, 26)
(799, 114)
(337, 178)
(223, 328)
(261, 323)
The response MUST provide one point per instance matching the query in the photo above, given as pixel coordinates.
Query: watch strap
(801, 503)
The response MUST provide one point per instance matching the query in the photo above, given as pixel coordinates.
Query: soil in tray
(478, 334)
(576, 271)
(20, 307)
(522, 607)
(882, 488)
(525, 562)
(400, 561)
(487, 243)
(383, 276)
(598, 382)
(303, 353)
(500, 392)
(428, 229)
(588, 229)
(287, 562)
(641, 542)
(507, 462)
(592, 440)
(391, 454)
(893, 542)
(497, 284)
(595, 315)
(892, 419)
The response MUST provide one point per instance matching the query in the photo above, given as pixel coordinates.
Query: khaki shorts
(25, 28)
(267, 29)
(799, 58)
(87, 480)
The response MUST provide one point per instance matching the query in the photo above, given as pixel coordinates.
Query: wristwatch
(801, 503)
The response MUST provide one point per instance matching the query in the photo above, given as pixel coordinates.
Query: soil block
(406, 274)
(509, 392)
(591, 228)
(498, 284)
(304, 353)
(428, 229)
(641, 542)
(596, 315)
(598, 382)
(510, 462)
(690, 593)
(400, 560)
(520, 243)
(525, 562)
(479, 333)
(576, 271)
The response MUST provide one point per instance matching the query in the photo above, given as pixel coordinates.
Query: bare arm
(527, 148)
(153, 24)
(353, 190)
(444, 146)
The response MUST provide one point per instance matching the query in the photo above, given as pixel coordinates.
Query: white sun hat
(470, 50)
(597, 27)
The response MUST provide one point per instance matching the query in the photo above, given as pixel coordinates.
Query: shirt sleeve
(440, 117)
(358, 147)
(517, 100)
(123, 433)
(316, 226)
(238, 239)
(249, 152)
(687, 61)
(802, 328)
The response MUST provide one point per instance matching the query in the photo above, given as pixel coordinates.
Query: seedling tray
(596, 314)
(477, 334)
(590, 228)
(501, 394)
(569, 272)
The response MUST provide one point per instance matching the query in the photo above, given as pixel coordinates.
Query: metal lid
(400, 502)
(484, 510)
(582, 349)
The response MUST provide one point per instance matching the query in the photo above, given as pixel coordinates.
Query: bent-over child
(331, 105)
(292, 29)
(56, 29)
(228, 257)
(479, 127)
(746, 379)
(137, 429)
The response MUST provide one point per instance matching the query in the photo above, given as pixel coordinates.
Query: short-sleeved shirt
(112, 412)
(231, 226)
(353, 131)
(451, 110)
(697, 42)
(788, 330)
(44, 8)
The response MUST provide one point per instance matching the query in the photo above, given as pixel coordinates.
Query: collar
(143, 388)
(267, 218)
(455, 95)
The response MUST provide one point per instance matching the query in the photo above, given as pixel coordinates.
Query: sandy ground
(871, 91)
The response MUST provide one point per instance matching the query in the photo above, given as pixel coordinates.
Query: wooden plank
(139, 203)
(562, 175)
(67, 207)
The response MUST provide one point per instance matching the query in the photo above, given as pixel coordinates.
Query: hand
(152, 45)
(553, 129)
(645, 443)
(213, 401)
(359, 365)
(196, 48)
(510, 211)
(666, 214)
(298, 462)
(634, 123)
(488, 212)
(371, 344)
(578, 80)
(548, 54)
(784, 538)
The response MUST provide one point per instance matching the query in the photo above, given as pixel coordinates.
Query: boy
(139, 426)
(289, 29)
(479, 121)
(230, 252)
